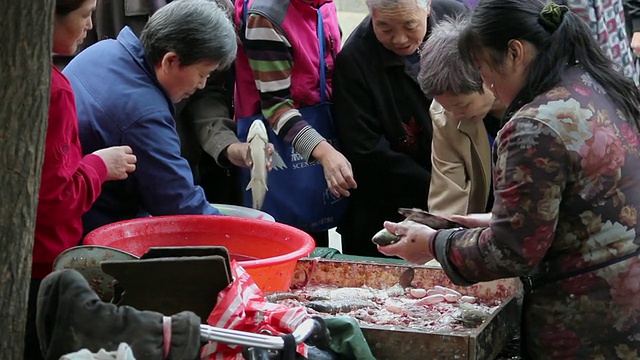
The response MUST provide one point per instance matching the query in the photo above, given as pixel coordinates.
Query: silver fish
(352, 293)
(274, 297)
(337, 306)
(259, 149)
(472, 315)
(366, 293)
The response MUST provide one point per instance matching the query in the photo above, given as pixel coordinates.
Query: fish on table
(340, 306)
(354, 293)
(352, 298)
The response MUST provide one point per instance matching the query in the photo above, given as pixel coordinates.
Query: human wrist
(236, 154)
(307, 143)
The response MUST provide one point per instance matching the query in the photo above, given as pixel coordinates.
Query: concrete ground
(350, 13)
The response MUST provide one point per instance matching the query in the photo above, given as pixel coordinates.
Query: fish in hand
(259, 149)
(384, 237)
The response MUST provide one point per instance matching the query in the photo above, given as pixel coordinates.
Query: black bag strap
(289, 349)
(532, 282)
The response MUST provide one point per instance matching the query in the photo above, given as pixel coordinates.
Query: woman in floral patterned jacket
(566, 180)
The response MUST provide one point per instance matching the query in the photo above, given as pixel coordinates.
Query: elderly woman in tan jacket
(466, 119)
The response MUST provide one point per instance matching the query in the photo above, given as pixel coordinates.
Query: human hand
(415, 241)
(471, 220)
(635, 43)
(337, 169)
(240, 155)
(120, 161)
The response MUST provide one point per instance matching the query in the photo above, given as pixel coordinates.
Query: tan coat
(461, 161)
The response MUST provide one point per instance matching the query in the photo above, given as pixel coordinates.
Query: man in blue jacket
(125, 90)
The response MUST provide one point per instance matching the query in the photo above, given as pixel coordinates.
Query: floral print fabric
(567, 192)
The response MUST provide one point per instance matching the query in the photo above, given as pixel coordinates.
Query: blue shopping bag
(298, 194)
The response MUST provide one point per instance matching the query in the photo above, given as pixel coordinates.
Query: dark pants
(220, 185)
(321, 238)
(31, 343)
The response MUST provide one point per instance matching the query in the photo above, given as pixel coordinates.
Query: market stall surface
(428, 318)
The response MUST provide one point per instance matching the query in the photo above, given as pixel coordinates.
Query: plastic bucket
(242, 211)
(268, 251)
(86, 260)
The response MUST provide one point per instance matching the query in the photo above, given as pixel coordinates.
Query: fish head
(384, 238)
(257, 130)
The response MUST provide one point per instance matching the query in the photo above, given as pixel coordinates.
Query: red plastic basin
(268, 251)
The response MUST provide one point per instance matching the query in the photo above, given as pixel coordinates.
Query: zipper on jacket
(331, 48)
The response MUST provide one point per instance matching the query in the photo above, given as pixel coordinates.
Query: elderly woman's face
(70, 30)
(401, 29)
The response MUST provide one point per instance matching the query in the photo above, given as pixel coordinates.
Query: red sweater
(70, 183)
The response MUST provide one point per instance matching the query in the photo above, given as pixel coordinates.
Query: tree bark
(25, 72)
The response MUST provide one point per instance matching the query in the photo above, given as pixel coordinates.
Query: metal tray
(483, 342)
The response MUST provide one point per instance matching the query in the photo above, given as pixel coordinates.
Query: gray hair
(390, 4)
(196, 30)
(441, 68)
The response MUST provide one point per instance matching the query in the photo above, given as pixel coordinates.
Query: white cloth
(123, 353)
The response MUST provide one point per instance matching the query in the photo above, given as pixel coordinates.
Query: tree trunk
(25, 72)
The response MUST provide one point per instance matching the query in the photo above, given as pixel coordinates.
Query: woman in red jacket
(70, 182)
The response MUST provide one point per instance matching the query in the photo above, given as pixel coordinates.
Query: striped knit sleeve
(271, 60)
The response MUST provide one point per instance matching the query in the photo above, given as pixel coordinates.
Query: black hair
(495, 22)
(64, 7)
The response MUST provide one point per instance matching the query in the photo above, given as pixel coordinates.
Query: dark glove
(71, 317)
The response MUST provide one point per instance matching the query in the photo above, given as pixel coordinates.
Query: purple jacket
(469, 3)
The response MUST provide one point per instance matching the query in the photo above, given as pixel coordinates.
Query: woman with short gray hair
(192, 32)
(466, 118)
(125, 90)
(382, 116)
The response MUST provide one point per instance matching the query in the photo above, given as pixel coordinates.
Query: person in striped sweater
(277, 73)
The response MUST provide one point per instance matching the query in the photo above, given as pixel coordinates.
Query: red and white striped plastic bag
(241, 306)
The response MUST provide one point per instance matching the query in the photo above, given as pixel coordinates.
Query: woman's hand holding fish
(337, 169)
(471, 220)
(415, 241)
(239, 155)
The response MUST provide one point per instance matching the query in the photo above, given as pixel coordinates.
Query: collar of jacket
(128, 39)
(467, 127)
(132, 44)
(389, 58)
